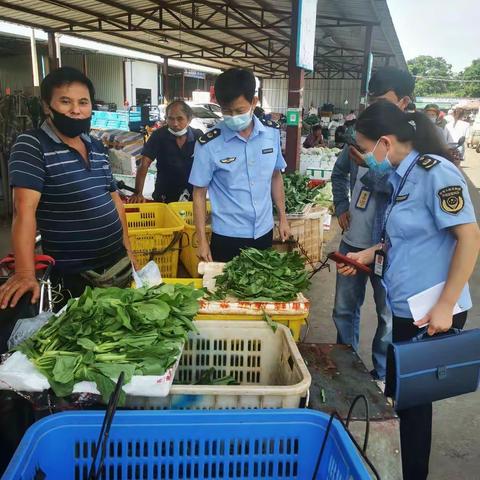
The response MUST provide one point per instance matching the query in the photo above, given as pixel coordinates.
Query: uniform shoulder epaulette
(270, 123)
(206, 137)
(427, 162)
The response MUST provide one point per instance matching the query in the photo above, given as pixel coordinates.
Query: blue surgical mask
(237, 123)
(372, 163)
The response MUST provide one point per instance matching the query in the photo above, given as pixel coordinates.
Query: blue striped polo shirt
(76, 215)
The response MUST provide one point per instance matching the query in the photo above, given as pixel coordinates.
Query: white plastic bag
(26, 327)
(148, 276)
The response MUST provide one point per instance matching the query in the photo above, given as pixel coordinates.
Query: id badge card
(379, 264)
(363, 199)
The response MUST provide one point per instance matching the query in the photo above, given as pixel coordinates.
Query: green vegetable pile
(265, 275)
(324, 196)
(110, 330)
(297, 192)
(210, 377)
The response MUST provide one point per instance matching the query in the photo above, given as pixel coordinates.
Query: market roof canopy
(255, 34)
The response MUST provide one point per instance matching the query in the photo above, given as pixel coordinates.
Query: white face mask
(180, 133)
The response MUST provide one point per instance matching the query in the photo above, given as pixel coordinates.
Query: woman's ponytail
(427, 137)
(385, 118)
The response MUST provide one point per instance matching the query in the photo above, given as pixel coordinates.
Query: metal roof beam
(345, 19)
(162, 47)
(60, 19)
(162, 4)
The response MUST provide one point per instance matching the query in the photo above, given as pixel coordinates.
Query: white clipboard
(421, 303)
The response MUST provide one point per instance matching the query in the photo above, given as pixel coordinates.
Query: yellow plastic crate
(155, 234)
(188, 252)
(293, 322)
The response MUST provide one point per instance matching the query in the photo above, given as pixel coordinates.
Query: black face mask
(68, 126)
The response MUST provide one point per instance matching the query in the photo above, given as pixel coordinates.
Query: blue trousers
(349, 297)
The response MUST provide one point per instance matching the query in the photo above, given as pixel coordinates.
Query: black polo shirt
(173, 163)
(76, 215)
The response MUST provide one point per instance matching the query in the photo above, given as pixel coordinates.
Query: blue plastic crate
(258, 444)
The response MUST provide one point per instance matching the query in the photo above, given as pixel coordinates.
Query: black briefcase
(426, 369)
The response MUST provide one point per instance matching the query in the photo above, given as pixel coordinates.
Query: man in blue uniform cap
(239, 163)
(360, 195)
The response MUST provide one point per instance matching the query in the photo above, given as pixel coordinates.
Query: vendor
(62, 185)
(240, 164)
(315, 139)
(172, 147)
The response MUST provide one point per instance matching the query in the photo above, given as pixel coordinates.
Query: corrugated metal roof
(221, 34)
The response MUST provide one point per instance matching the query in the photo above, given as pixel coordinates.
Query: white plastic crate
(268, 366)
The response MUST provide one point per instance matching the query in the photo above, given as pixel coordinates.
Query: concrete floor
(456, 432)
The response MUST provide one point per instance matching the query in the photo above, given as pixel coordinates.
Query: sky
(440, 28)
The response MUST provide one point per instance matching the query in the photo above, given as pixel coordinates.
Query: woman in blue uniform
(430, 235)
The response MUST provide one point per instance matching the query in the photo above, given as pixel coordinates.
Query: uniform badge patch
(206, 137)
(228, 160)
(270, 123)
(402, 198)
(451, 199)
(267, 150)
(427, 163)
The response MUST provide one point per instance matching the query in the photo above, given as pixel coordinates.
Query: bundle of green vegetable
(297, 192)
(110, 330)
(265, 275)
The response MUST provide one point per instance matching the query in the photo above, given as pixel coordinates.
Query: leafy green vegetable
(273, 325)
(297, 192)
(110, 330)
(209, 377)
(265, 275)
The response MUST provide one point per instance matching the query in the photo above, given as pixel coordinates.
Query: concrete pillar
(166, 91)
(296, 83)
(84, 64)
(366, 65)
(35, 74)
(52, 52)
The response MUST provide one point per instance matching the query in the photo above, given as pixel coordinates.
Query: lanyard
(395, 195)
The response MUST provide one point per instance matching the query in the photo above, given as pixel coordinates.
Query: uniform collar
(49, 131)
(228, 134)
(406, 162)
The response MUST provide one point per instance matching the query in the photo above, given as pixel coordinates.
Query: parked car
(212, 107)
(203, 118)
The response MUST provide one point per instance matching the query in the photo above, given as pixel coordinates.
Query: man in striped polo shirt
(63, 185)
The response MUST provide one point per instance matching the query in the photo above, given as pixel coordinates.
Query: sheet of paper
(421, 303)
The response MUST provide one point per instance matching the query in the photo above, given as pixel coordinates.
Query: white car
(212, 107)
(204, 119)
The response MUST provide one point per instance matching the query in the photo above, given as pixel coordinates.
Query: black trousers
(416, 422)
(225, 248)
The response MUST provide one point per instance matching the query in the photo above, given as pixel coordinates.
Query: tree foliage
(438, 68)
(472, 89)
(434, 67)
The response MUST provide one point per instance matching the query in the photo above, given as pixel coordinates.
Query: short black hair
(391, 78)
(234, 83)
(64, 76)
(411, 107)
(316, 128)
(186, 109)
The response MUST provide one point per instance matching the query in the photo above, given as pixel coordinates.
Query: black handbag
(426, 369)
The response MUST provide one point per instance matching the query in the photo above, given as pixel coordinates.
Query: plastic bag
(148, 276)
(26, 327)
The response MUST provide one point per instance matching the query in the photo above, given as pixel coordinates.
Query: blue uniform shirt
(238, 173)
(420, 246)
